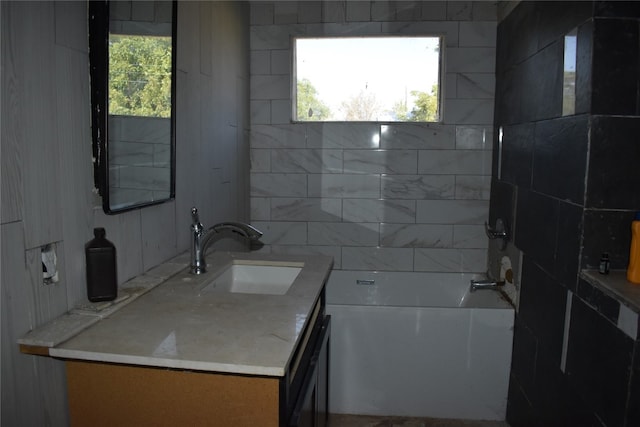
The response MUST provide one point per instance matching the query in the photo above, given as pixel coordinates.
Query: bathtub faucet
(485, 284)
(200, 238)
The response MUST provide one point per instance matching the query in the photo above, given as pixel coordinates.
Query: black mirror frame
(99, 74)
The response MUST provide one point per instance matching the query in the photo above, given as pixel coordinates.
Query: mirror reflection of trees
(139, 76)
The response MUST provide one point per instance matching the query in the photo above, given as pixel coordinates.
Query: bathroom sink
(255, 279)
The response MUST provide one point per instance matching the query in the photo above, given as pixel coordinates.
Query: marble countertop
(178, 325)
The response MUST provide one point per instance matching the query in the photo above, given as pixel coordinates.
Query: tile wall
(569, 186)
(375, 196)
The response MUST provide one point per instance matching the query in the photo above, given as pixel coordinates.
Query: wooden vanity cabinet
(102, 394)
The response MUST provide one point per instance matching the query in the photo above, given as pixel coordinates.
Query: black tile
(614, 162)
(599, 363)
(502, 203)
(569, 241)
(615, 67)
(560, 157)
(583, 68)
(604, 304)
(536, 227)
(523, 359)
(517, 154)
(516, 35)
(606, 231)
(520, 413)
(557, 18)
(619, 9)
(633, 409)
(542, 79)
(542, 309)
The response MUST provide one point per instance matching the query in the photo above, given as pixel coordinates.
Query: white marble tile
(333, 11)
(140, 129)
(358, 11)
(145, 178)
(475, 86)
(278, 185)
(260, 160)
(260, 208)
(261, 13)
(343, 135)
(378, 259)
(281, 111)
(451, 85)
(451, 260)
(334, 185)
(282, 233)
(381, 161)
(459, 10)
(278, 136)
(260, 112)
(416, 235)
(466, 162)
(448, 29)
(162, 155)
(423, 136)
(343, 234)
(452, 211)
(418, 186)
(408, 10)
(332, 29)
(285, 12)
(470, 236)
(270, 87)
(471, 60)
(309, 12)
(273, 36)
(306, 209)
(434, 10)
(130, 153)
(468, 111)
(382, 11)
(478, 34)
(473, 187)
(307, 161)
(281, 61)
(474, 137)
(333, 251)
(369, 210)
(260, 62)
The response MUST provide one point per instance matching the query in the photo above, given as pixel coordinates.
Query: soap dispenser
(102, 281)
(633, 271)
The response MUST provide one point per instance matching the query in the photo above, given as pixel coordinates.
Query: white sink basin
(255, 279)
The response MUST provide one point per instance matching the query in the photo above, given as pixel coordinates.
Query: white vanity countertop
(175, 325)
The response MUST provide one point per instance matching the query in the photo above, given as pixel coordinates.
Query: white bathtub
(418, 344)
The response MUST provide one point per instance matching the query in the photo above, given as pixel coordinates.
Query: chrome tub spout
(485, 284)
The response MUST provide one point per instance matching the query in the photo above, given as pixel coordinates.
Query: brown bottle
(102, 279)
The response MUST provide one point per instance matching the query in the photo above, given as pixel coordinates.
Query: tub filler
(418, 344)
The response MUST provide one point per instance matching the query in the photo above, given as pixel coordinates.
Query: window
(388, 79)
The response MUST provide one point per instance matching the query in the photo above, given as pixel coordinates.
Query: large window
(387, 79)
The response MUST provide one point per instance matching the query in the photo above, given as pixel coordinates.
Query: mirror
(132, 56)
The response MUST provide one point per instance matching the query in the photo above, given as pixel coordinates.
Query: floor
(340, 420)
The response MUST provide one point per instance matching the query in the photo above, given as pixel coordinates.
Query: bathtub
(418, 344)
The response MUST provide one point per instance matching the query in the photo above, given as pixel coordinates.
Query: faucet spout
(485, 284)
(200, 238)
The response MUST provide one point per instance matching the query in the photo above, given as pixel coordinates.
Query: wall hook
(500, 231)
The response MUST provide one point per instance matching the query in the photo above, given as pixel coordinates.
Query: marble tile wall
(375, 196)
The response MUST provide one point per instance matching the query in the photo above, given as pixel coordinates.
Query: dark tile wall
(569, 185)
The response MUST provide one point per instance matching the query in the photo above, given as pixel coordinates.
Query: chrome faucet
(200, 238)
(485, 284)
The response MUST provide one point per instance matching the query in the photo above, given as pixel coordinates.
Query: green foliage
(310, 107)
(140, 76)
(362, 107)
(425, 109)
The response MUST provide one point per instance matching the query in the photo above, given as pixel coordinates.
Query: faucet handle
(194, 215)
